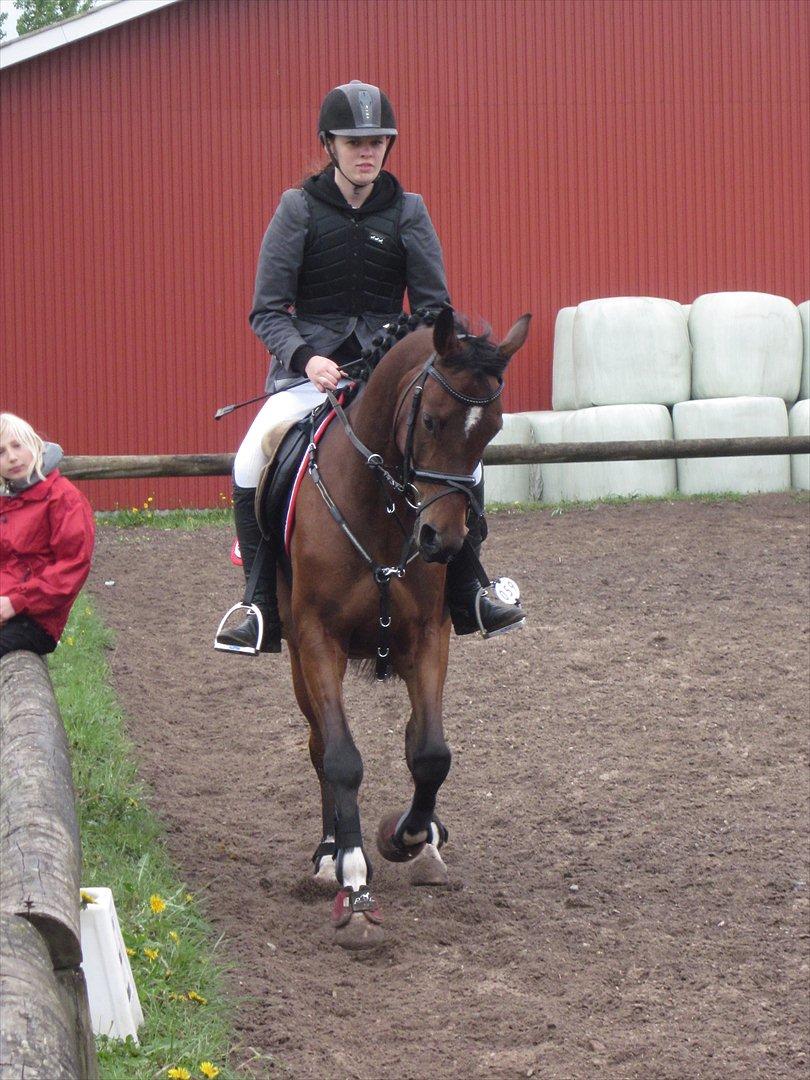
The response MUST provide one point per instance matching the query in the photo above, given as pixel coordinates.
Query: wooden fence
(45, 1027)
(131, 467)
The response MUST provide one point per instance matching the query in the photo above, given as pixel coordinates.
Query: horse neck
(373, 415)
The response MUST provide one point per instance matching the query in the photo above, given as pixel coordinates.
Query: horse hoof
(389, 848)
(359, 933)
(429, 868)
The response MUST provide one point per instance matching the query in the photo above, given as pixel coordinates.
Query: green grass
(187, 1019)
(136, 517)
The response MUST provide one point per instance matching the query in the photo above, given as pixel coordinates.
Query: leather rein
(404, 488)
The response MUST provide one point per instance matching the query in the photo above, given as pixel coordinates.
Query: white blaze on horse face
(473, 416)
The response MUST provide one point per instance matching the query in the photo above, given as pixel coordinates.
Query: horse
(380, 511)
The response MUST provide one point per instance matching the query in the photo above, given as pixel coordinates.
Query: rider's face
(360, 159)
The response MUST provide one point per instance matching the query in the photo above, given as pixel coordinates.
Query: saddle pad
(289, 522)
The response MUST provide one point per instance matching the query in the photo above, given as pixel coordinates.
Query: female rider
(335, 262)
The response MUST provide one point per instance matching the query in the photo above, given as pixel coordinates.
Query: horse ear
(516, 336)
(444, 332)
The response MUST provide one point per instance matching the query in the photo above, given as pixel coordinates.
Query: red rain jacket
(46, 544)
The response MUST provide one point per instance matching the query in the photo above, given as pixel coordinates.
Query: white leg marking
(473, 416)
(325, 870)
(354, 868)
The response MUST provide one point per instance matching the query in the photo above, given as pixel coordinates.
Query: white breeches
(292, 404)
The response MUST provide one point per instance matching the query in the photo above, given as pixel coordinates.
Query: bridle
(404, 486)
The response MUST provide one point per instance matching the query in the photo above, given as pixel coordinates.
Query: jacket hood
(384, 191)
(52, 454)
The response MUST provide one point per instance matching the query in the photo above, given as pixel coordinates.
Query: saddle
(285, 447)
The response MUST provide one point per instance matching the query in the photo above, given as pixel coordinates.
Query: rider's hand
(6, 609)
(323, 373)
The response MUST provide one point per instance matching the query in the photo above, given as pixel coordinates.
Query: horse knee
(431, 764)
(343, 766)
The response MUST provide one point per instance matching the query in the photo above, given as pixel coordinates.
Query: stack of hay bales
(644, 368)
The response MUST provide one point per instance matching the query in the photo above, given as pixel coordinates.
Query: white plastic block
(563, 388)
(799, 423)
(587, 480)
(745, 344)
(547, 427)
(804, 315)
(631, 350)
(115, 1009)
(727, 418)
(512, 483)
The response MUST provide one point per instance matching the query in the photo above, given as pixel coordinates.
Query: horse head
(455, 412)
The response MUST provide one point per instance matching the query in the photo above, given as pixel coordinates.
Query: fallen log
(40, 850)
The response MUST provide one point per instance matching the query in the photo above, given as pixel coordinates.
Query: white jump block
(511, 483)
(804, 315)
(115, 1009)
(585, 481)
(563, 387)
(799, 423)
(547, 427)
(631, 350)
(726, 418)
(745, 344)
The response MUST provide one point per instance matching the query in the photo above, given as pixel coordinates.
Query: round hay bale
(563, 387)
(799, 423)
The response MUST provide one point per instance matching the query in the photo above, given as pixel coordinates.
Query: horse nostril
(428, 540)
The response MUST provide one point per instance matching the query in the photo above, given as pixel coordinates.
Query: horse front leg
(418, 832)
(355, 914)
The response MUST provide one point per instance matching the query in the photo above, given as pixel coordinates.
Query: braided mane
(477, 354)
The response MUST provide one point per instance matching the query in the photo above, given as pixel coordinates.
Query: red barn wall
(567, 149)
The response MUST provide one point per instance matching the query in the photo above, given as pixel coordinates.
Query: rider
(335, 262)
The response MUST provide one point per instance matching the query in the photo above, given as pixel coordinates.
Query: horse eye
(428, 421)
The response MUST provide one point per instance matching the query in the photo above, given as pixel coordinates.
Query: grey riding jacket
(295, 252)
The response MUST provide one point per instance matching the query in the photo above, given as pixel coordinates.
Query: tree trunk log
(37, 1034)
(39, 836)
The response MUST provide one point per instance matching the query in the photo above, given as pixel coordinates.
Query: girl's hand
(323, 373)
(6, 610)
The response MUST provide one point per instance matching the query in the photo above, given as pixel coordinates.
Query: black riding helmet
(356, 110)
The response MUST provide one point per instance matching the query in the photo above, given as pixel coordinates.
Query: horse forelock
(477, 355)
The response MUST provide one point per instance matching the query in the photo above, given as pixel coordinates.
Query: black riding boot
(463, 586)
(264, 596)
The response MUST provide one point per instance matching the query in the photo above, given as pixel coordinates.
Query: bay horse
(391, 482)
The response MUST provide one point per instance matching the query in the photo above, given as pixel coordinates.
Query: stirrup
(250, 609)
(508, 592)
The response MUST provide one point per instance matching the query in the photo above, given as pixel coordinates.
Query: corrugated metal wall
(567, 149)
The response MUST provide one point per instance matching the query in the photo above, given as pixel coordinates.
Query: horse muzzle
(434, 547)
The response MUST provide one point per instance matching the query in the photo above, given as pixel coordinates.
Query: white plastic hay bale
(584, 481)
(804, 315)
(115, 1009)
(511, 483)
(745, 344)
(727, 418)
(631, 350)
(547, 427)
(799, 424)
(563, 387)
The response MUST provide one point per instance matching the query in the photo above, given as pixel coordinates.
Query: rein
(405, 488)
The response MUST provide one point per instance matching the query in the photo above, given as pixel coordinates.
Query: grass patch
(637, 500)
(137, 517)
(172, 949)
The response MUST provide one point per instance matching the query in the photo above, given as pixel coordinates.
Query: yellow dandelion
(192, 995)
(70, 640)
(151, 954)
(86, 898)
(157, 903)
(134, 509)
(132, 802)
(178, 1073)
(209, 1069)
(174, 936)
(188, 898)
(130, 952)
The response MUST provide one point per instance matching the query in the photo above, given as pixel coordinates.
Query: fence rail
(134, 466)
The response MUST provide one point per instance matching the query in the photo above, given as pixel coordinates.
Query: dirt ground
(628, 807)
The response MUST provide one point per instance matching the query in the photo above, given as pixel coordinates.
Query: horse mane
(476, 353)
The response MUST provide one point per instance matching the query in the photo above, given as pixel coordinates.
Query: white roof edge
(103, 17)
